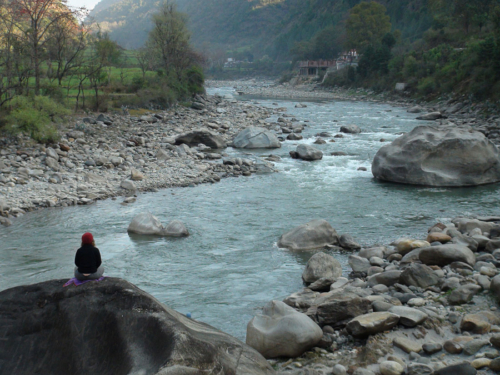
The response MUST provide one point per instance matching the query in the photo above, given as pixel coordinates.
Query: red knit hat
(87, 239)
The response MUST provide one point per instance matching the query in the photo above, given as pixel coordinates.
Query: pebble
(339, 370)
(452, 347)
(407, 345)
(419, 369)
(495, 365)
(480, 363)
(390, 368)
(432, 347)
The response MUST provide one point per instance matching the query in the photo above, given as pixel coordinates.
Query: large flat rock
(110, 327)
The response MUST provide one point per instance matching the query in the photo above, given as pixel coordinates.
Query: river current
(229, 267)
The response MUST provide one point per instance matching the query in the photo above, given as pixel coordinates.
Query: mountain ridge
(263, 27)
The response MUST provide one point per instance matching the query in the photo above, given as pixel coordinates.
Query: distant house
(348, 58)
(315, 67)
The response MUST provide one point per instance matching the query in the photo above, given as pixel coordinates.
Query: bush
(410, 67)
(428, 86)
(137, 83)
(195, 80)
(55, 92)
(287, 77)
(99, 105)
(163, 90)
(35, 116)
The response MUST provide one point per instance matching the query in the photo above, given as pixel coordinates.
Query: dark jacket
(88, 259)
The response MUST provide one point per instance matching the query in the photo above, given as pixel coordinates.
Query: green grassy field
(116, 83)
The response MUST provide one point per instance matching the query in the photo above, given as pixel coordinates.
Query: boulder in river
(350, 129)
(308, 153)
(175, 228)
(294, 137)
(255, 137)
(431, 116)
(315, 234)
(197, 136)
(280, 331)
(415, 109)
(432, 156)
(348, 242)
(146, 223)
(110, 327)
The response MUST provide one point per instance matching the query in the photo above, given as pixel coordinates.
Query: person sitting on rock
(88, 260)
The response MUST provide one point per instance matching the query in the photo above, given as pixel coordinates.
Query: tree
(145, 60)
(169, 39)
(7, 41)
(464, 12)
(66, 43)
(389, 40)
(366, 25)
(495, 20)
(91, 69)
(217, 58)
(326, 44)
(34, 19)
(108, 52)
(481, 10)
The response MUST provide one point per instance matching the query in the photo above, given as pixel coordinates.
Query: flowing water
(230, 266)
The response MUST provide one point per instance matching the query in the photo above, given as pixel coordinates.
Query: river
(230, 266)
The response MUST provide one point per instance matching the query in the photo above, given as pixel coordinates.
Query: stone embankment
(118, 155)
(418, 307)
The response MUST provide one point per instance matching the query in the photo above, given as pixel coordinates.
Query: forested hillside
(262, 27)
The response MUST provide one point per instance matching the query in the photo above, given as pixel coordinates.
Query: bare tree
(145, 59)
(34, 19)
(169, 39)
(66, 44)
(15, 62)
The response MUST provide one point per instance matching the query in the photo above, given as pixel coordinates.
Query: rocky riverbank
(424, 306)
(119, 155)
(418, 306)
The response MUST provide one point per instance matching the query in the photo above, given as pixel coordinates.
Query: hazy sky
(89, 4)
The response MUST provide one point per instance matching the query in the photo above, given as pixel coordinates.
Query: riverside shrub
(36, 116)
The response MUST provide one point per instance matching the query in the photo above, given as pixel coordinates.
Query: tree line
(459, 53)
(48, 49)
